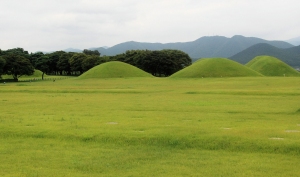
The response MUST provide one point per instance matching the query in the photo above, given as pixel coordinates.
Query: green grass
(271, 66)
(215, 67)
(114, 69)
(151, 127)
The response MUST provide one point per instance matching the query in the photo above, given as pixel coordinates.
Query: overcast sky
(49, 25)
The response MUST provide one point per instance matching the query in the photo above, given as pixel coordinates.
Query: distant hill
(73, 50)
(294, 41)
(114, 69)
(215, 67)
(271, 66)
(80, 50)
(291, 56)
(204, 47)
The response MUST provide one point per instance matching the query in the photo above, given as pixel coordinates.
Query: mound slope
(215, 67)
(114, 69)
(271, 66)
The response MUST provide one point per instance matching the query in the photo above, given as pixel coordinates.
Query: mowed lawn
(151, 127)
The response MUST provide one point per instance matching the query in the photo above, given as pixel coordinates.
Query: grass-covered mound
(271, 66)
(114, 69)
(36, 74)
(215, 67)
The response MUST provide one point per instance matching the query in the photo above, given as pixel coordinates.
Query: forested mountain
(290, 56)
(204, 47)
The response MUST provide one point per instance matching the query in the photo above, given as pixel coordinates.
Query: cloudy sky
(49, 25)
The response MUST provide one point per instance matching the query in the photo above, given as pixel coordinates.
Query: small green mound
(114, 69)
(36, 74)
(215, 67)
(271, 66)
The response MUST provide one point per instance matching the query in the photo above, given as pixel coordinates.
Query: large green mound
(271, 66)
(215, 67)
(114, 69)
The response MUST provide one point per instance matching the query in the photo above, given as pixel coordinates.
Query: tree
(76, 62)
(91, 52)
(34, 57)
(63, 63)
(103, 59)
(119, 57)
(53, 60)
(176, 60)
(89, 62)
(42, 64)
(2, 64)
(18, 51)
(158, 63)
(17, 66)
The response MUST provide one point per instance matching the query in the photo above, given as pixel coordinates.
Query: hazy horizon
(167, 42)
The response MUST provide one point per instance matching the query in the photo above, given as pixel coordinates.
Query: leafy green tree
(89, 62)
(158, 63)
(175, 60)
(17, 66)
(63, 64)
(76, 62)
(34, 57)
(91, 52)
(53, 60)
(18, 51)
(104, 59)
(2, 64)
(42, 64)
(119, 57)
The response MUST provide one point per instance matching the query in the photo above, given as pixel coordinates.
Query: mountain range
(204, 47)
(213, 46)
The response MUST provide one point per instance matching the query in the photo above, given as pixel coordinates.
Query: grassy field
(247, 126)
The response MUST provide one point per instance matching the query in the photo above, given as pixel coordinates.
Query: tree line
(18, 62)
